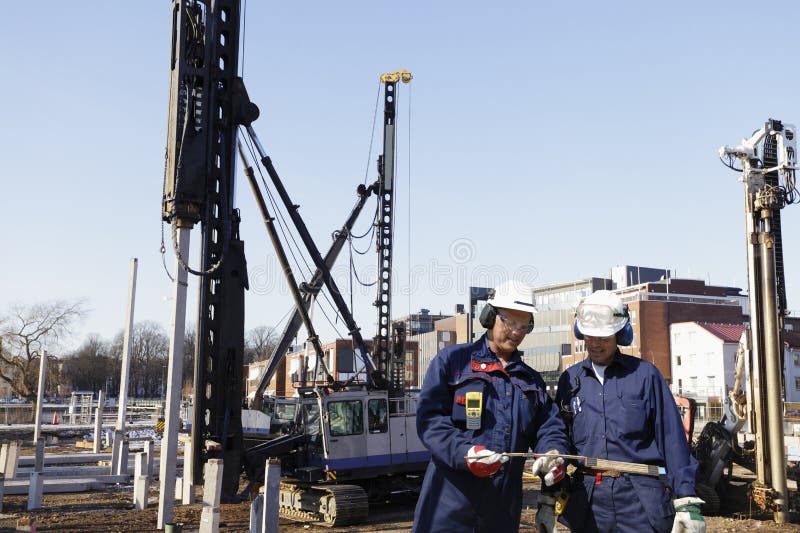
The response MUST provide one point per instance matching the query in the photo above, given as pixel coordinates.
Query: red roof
(726, 332)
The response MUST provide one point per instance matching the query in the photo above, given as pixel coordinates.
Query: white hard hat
(601, 314)
(513, 295)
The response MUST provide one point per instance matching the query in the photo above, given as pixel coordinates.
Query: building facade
(421, 322)
(703, 359)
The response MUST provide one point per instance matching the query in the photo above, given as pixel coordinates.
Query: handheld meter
(474, 409)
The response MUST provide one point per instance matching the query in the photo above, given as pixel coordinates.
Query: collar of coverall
(485, 360)
(618, 360)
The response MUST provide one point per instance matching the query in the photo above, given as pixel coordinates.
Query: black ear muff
(488, 316)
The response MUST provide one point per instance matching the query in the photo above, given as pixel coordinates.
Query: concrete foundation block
(209, 520)
(12, 459)
(39, 458)
(141, 485)
(272, 490)
(149, 448)
(256, 514)
(178, 488)
(35, 491)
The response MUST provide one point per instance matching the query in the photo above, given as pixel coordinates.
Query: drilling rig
(768, 163)
(353, 438)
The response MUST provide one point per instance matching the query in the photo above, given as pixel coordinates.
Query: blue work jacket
(517, 414)
(631, 417)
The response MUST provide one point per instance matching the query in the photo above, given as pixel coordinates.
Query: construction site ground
(111, 510)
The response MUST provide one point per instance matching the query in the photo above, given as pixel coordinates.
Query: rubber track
(349, 501)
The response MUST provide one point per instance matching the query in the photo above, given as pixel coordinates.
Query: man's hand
(546, 514)
(551, 466)
(687, 516)
(483, 462)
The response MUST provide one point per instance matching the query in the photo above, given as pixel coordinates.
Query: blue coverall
(631, 417)
(517, 415)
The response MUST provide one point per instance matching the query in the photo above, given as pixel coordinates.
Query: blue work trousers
(618, 505)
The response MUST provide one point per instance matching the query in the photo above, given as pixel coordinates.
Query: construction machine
(768, 163)
(350, 439)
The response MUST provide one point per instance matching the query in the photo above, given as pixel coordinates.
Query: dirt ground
(111, 510)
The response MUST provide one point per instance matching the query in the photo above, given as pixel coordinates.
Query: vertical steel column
(220, 320)
(383, 349)
(758, 407)
(772, 362)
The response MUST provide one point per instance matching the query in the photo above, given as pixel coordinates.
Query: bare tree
(149, 345)
(259, 344)
(90, 366)
(25, 332)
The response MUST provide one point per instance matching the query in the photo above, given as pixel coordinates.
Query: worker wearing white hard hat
(619, 407)
(480, 400)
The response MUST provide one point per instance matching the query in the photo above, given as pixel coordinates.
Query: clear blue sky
(550, 140)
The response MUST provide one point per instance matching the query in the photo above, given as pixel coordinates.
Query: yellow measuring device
(474, 409)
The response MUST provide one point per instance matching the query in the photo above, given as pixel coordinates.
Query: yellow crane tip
(398, 75)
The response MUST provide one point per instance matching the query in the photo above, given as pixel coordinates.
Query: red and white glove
(483, 462)
(551, 466)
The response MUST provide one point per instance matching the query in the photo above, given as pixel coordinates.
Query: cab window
(346, 418)
(377, 416)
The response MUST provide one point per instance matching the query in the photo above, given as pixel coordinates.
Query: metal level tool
(600, 464)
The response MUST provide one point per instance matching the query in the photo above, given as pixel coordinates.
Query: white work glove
(546, 514)
(483, 462)
(687, 515)
(551, 466)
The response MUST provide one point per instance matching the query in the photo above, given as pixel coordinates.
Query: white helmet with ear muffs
(602, 314)
(508, 295)
(513, 295)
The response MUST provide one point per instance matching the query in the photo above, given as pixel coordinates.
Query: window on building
(680, 386)
(678, 360)
(693, 383)
(346, 418)
(409, 367)
(712, 385)
(796, 358)
(377, 416)
(797, 384)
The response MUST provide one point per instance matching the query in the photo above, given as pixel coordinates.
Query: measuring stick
(600, 464)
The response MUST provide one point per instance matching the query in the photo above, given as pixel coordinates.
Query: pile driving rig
(361, 433)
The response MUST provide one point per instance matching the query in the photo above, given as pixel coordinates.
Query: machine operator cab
(364, 433)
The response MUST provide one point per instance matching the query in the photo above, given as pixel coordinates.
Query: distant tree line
(97, 363)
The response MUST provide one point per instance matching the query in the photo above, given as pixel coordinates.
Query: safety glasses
(512, 325)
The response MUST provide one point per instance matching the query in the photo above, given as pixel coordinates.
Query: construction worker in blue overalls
(479, 400)
(620, 408)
